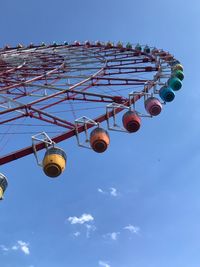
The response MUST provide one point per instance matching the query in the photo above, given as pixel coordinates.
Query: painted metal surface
(38, 78)
(99, 140)
(153, 106)
(54, 162)
(131, 121)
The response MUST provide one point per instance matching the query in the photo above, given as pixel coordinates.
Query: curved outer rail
(29, 150)
(72, 132)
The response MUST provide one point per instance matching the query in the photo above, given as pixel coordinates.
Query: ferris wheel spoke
(129, 70)
(4, 121)
(44, 116)
(29, 150)
(36, 81)
(85, 97)
(23, 83)
(117, 81)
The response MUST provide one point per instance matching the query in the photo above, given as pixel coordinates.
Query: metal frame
(36, 71)
(143, 94)
(111, 109)
(84, 121)
(44, 138)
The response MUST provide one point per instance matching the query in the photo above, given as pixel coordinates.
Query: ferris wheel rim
(61, 137)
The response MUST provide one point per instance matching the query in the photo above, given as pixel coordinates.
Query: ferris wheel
(49, 93)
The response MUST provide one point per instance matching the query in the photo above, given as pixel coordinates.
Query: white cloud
(113, 192)
(133, 229)
(24, 247)
(113, 235)
(81, 220)
(25, 250)
(4, 248)
(104, 264)
(20, 245)
(101, 191)
(90, 228)
(76, 234)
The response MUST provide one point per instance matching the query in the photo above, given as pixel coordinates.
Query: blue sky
(137, 205)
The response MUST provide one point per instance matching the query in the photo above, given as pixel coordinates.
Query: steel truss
(36, 79)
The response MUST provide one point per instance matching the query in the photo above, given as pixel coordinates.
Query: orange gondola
(99, 140)
(131, 121)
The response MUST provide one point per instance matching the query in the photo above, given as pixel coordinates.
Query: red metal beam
(107, 56)
(57, 139)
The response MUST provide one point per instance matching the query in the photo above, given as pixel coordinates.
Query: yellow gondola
(54, 162)
(3, 185)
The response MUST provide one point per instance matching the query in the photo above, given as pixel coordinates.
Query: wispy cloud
(4, 248)
(113, 236)
(90, 228)
(76, 234)
(82, 219)
(101, 191)
(23, 246)
(133, 229)
(104, 264)
(20, 245)
(112, 191)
